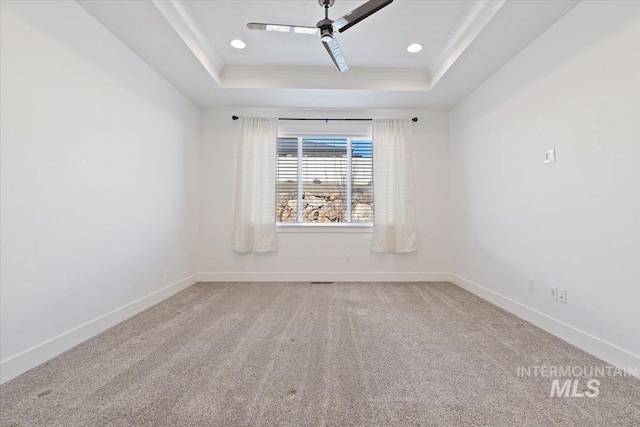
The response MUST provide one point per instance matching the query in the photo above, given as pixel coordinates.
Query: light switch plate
(554, 293)
(550, 156)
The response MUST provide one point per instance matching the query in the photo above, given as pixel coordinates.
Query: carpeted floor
(315, 354)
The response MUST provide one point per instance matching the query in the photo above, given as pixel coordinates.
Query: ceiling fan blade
(358, 14)
(336, 55)
(283, 28)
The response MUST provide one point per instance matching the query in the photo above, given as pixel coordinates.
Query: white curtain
(394, 224)
(255, 210)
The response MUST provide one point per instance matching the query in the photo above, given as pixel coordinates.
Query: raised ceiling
(379, 41)
(465, 42)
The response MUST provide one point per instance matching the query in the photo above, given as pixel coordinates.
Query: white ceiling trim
(185, 24)
(262, 77)
(246, 77)
(475, 18)
(181, 19)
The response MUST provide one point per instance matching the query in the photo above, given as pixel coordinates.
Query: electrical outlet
(562, 295)
(347, 259)
(530, 285)
(554, 293)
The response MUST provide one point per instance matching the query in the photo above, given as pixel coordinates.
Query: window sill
(324, 228)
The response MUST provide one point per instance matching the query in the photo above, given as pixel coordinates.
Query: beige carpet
(315, 354)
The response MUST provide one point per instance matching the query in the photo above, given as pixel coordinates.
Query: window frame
(325, 227)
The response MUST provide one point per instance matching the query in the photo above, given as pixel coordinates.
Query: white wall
(103, 177)
(321, 256)
(100, 182)
(575, 223)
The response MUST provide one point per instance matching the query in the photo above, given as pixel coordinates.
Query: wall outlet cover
(562, 295)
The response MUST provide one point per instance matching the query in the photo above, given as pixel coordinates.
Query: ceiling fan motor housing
(328, 3)
(326, 29)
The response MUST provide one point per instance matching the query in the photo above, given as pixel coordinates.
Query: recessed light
(414, 47)
(238, 44)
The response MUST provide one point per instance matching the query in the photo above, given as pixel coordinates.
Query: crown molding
(475, 18)
(257, 77)
(185, 24)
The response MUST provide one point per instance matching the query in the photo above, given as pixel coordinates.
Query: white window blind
(326, 179)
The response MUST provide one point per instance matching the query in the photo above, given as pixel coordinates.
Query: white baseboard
(29, 359)
(324, 277)
(20, 363)
(608, 352)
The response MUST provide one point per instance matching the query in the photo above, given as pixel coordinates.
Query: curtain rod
(415, 119)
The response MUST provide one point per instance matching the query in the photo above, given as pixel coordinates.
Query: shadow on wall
(103, 58)
(581, 38)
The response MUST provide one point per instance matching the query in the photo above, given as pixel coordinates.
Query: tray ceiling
(464, 43)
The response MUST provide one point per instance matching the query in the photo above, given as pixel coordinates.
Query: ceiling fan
(327, 27)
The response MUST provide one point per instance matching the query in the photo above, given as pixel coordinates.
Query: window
(324, 180)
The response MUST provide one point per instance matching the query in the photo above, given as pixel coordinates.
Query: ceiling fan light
(414, 48)
(238, 44)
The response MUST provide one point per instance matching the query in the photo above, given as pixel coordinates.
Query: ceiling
(465, 42)
(389, 31)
